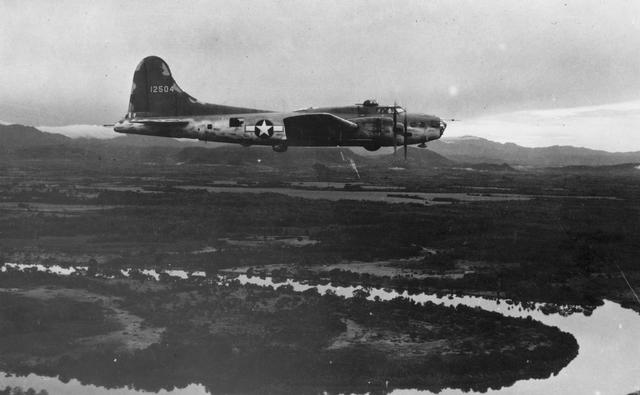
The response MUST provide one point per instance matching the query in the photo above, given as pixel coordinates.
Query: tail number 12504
(160, 88)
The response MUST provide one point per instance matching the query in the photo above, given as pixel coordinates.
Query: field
(561, 236)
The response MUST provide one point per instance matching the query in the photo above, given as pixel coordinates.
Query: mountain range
(475, 150)
(26, 142)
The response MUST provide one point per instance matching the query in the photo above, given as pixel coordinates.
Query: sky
(531, 72)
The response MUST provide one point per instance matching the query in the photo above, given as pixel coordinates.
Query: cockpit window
(434, 123)
(389, 110)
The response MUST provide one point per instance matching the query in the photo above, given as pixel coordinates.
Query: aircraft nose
(443, 126)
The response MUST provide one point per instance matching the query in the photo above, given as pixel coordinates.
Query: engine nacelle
(280, 147)
(371, 146)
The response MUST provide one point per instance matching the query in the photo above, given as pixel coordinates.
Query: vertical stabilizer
(155, 93)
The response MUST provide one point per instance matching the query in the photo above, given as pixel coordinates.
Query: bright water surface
(368, 195)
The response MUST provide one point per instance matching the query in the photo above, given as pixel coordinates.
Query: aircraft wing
(317, 128)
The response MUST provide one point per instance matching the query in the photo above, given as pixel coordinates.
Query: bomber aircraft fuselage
(159, 107)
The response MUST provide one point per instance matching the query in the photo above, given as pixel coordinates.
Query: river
(428, 198)
(608, 361)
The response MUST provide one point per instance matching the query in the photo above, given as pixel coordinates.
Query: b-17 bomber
(159, 107)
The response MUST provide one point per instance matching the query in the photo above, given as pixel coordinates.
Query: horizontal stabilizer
(161, 122)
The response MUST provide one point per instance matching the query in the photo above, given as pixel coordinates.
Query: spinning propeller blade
(393, 130)
(405, 134)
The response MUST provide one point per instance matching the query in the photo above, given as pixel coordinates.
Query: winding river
(608, 361)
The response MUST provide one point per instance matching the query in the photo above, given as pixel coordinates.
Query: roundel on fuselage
(264, 128)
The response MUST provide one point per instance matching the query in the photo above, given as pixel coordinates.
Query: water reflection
(54, 386)
(607, 362)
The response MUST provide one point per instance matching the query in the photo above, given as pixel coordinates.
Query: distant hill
(307, 156)
(26, 142)
(416, 157)
(478, 150)
(16, 137)
(134, 140)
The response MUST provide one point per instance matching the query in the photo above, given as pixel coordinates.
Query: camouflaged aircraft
(159, 107)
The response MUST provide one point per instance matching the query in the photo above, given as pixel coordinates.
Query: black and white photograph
(398, 197)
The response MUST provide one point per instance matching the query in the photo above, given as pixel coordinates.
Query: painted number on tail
(160, 89)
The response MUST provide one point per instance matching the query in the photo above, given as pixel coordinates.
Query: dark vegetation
(47, 324)
(567, 245)
(250, 339)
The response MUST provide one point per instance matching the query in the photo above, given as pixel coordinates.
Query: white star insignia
(264, 128)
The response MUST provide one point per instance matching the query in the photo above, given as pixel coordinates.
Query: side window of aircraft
(236, 122)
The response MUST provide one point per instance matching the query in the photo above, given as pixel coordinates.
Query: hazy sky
(71, 62)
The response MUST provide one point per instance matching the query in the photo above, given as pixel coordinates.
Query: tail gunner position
(158, 107)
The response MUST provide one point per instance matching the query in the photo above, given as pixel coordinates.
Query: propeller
(405, 135)
(395, 119)
(404, 132)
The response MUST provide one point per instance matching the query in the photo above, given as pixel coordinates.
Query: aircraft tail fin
(155, 93)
